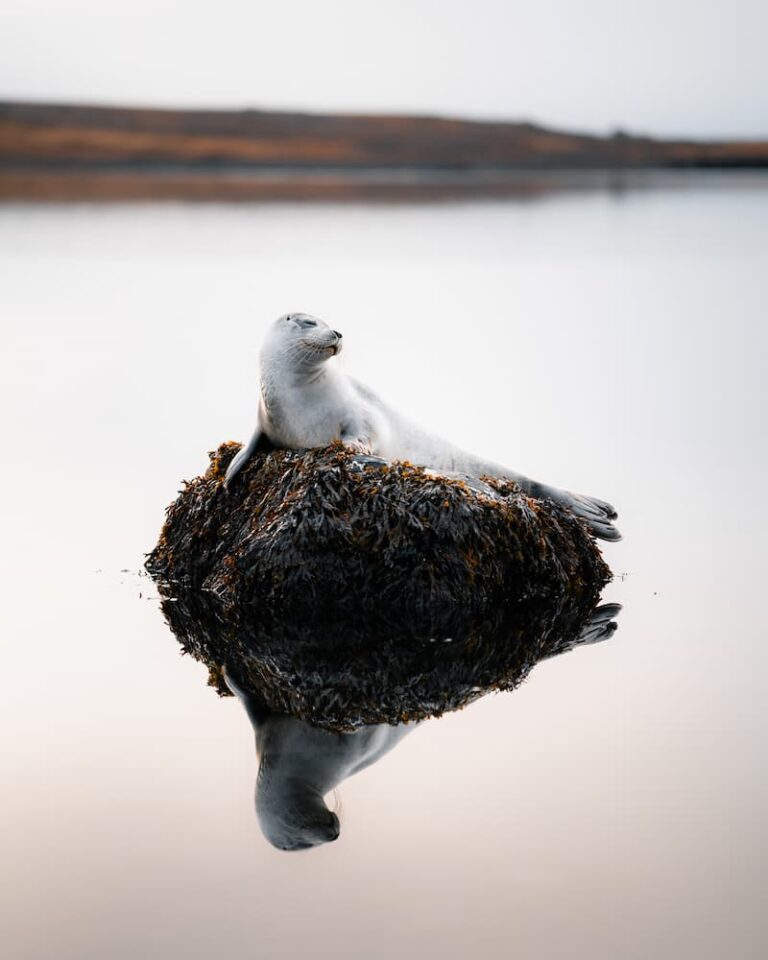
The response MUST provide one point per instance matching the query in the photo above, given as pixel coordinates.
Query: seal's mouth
(331, 348)
(326, 348)
(323, 349)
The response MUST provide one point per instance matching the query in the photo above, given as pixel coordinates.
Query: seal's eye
(308, 323)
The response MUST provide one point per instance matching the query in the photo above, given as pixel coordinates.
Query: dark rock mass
(346, 590)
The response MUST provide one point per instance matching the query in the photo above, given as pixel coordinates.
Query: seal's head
(296, 817)
(301, 340)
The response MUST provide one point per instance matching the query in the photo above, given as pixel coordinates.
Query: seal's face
(304, 338)
(297, 820)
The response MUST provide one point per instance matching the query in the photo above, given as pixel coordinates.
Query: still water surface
(614, 806)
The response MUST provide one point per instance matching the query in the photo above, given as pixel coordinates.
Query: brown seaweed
(324, 530)
(345, 590)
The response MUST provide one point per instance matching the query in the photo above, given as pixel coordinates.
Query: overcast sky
(695, 67)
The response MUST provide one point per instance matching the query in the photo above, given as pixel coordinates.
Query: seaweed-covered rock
(344, 590)
(326, 532)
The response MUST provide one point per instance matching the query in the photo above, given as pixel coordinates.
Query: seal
(306, 401)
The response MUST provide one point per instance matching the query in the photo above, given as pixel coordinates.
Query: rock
(326, 531)
(345, 590)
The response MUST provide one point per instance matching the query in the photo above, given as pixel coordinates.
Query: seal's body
(307, 401)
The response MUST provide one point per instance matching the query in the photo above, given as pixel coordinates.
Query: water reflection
(300, 764)
(309, 669)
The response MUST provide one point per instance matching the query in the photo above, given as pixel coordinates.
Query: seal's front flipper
(360, 447)
(257, 712)
(363, 460)
(356, 437)
(243, 454)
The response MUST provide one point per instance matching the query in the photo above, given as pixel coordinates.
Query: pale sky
(688, 67)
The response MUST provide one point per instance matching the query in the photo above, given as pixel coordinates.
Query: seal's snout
(333, 829)
(339, 335)
(337, 345)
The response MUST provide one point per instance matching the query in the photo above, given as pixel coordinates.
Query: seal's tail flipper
(601, 626)
(597, 513)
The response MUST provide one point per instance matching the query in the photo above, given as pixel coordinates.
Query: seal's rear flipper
(600, 627)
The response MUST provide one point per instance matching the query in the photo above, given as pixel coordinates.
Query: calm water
(611, 807)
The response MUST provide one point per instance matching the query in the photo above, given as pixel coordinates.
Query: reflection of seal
(308, 402)
(300, 764)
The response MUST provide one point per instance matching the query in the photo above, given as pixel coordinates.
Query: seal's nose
(337, 334)
(334, 828)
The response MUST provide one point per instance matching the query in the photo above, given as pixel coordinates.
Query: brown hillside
(66, 152)
(34, 133)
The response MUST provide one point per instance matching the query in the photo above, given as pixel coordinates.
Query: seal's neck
(293, 368)
(316, 375)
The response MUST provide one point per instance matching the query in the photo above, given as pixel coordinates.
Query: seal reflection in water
(300, 764)
(306, 401)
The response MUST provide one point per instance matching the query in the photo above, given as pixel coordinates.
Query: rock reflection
(327, 700)
(344, 602)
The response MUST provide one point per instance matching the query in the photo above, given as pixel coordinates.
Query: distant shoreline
(369, 186)
(101, 154)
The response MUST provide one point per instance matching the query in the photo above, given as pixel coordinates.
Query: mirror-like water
(613, 806)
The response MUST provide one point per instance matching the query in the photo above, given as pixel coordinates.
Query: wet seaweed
(346, 592)
(314, 531)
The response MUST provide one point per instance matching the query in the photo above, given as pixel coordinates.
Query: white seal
(306, 400)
